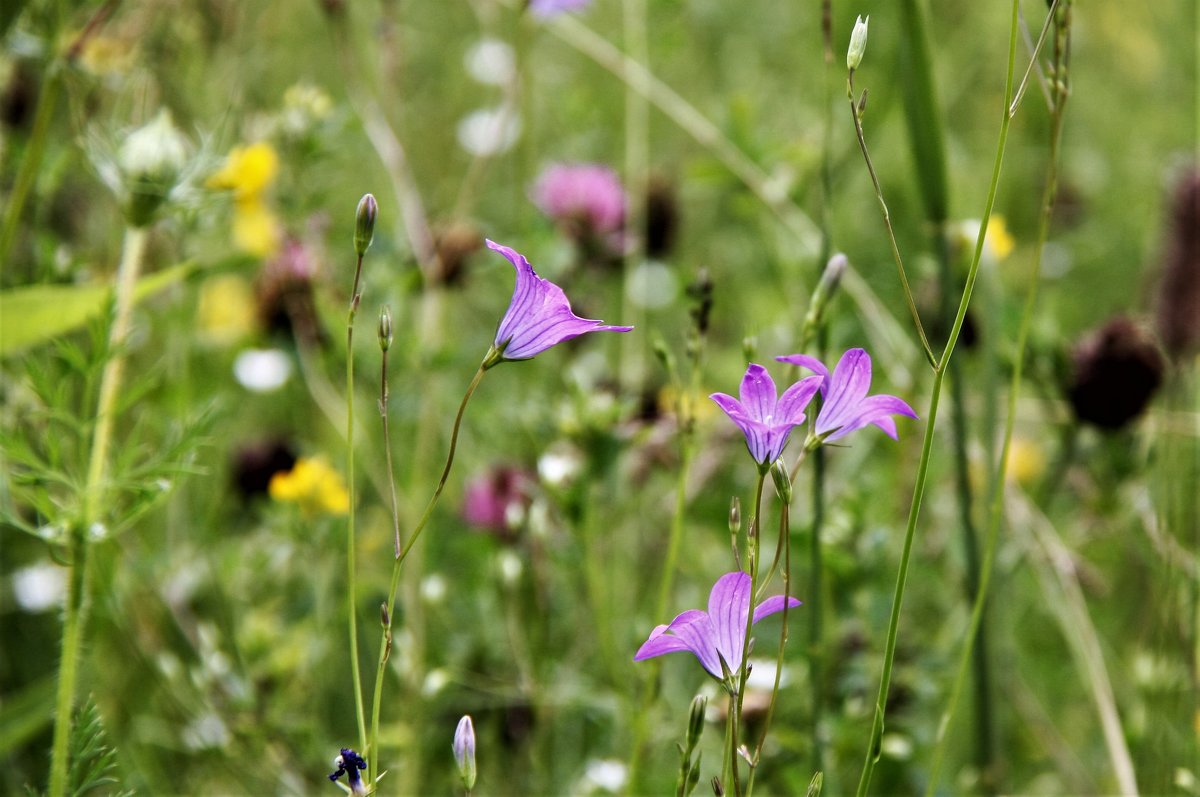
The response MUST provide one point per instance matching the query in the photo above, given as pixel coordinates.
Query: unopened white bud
(858, 43)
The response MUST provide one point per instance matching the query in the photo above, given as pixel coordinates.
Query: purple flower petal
(728, 605)
(812, 364)
(765, 422)
(758, 393)
(795, 399)
(539, 315)
(847, 406)
(772, 605)
(718, 634)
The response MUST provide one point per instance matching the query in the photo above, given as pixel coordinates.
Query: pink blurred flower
(586, 199)
(498, 499)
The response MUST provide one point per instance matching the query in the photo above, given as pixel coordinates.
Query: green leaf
(39, 313)
(26, 714)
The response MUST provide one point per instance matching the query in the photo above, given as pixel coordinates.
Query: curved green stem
(927, 445)
(887, 221)
(385, 644)
(997, 498)
(75, 611)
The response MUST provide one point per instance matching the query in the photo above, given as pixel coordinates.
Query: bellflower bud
(464, 751)
(783, 482)
(364, 223)
(831, 277)
(696, 721)
(858, 43)
(385, 329)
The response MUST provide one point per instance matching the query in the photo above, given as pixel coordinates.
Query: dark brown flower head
(255, 464)
(1179, 303)
(1116, 371)
(662, 217)
(454, 244)
(701, 294)
(285, 293)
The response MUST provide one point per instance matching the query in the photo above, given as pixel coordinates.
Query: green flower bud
(696, 721)
(364, 223)
(385, 329)
(858, 43)
(783, 482)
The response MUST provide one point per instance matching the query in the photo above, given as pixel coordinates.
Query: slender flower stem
(351, 584)
(815, 642)
(75, 611)
(386, 618)
(975, 629)
(385, 644)
(784, 534)
(887, 221)
(753, 545)
(876, 735)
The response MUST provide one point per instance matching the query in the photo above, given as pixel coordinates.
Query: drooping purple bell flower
(718, 634)
(538, 317)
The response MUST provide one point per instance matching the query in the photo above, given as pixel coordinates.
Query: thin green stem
(887, 221)
(75, 610)
(351, 570)
(385, 644)
(872, 755)
(975, 629)
(753, 546)
(784, 534)
(815, 645)
(386, 618)
(32, 161)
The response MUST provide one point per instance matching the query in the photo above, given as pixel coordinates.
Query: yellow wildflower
(226, 309)
(998, 240)
(256, 228)
(106, 55)
(1026, 461)
(248, 171)
(314, 486)
(698, 403)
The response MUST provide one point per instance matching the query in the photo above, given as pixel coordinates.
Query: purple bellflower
(348, 763)
(544, 9)
(538, 317)
(847, 407)
(717, 635)
(765, 421)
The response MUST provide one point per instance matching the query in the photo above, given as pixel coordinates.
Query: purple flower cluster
(767, 422)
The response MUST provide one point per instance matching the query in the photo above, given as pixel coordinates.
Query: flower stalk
(364, 224)
(1059, 94)
(876, 733)
(75, 611)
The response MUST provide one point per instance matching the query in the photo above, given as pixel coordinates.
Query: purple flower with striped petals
(766, 422)
(717, 635)
(538, 317)
(847, 406)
